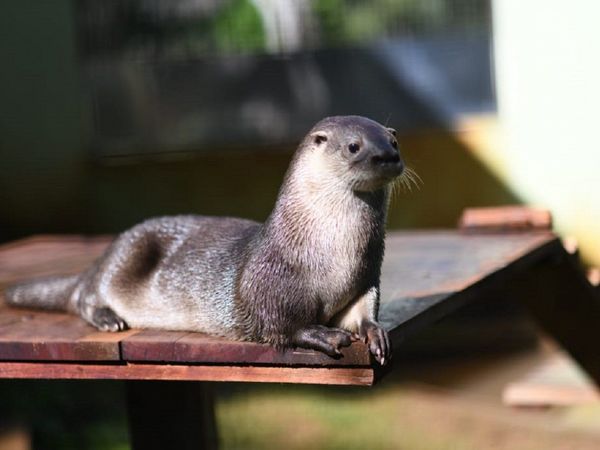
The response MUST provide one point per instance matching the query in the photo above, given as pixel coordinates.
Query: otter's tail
(45, 293)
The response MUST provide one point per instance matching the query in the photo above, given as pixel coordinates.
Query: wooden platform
(425, 276)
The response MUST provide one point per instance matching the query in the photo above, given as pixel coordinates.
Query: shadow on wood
(566, 305)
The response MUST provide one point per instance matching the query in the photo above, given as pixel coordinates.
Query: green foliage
(238, 28)
(357, 22)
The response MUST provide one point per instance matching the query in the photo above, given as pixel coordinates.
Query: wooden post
(171, 414)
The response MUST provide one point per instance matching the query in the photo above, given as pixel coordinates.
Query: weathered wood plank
(151, 345)
(427, 275)
(423, 263)
(197, 347)
(40, 335)
(40, 256)
(505, 218)
(102, 336)
(364, 376)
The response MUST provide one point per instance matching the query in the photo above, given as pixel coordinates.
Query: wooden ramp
(426, 275)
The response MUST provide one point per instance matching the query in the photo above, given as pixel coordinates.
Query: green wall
(42, 118)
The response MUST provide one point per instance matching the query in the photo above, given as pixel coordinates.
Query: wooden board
(174, 347)
(40, 335)
(558, 381)
(425, 276)
(505, 218)
(39, 256)
(362, 376)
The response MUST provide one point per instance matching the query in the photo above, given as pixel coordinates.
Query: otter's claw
(105, 319)
(378, 341)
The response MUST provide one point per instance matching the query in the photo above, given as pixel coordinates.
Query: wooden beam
(364, 376)
(505, 218)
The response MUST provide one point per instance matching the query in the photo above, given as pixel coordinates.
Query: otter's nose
(385, 157)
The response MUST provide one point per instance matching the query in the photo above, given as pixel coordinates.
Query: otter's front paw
(324, 339)
(378, 341)
(105, 319)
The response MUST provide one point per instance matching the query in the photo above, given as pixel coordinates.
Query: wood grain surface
(363, 376)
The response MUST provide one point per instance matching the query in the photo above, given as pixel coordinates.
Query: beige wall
(547, 57)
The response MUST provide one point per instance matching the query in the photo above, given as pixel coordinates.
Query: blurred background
(115, 111)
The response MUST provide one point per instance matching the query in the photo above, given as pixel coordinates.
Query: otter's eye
(394, 143)
(354, 147)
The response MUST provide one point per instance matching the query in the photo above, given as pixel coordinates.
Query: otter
(307, 277)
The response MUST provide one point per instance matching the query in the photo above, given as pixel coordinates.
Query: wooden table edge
(356, 376)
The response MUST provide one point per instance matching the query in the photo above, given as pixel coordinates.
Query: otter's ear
(319, 137)
(391, 130)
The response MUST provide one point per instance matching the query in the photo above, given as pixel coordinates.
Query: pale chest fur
(328, 232)
(334, 249)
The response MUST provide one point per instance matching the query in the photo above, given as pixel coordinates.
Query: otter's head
(360, 153)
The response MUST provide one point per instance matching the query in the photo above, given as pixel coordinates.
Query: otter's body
(308, 276)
